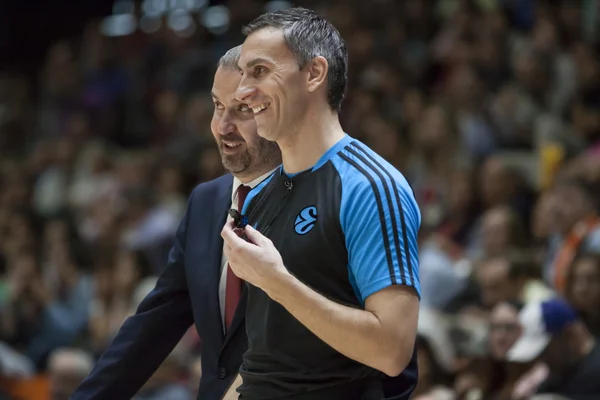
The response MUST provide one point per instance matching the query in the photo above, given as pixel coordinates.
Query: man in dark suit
(197, 285)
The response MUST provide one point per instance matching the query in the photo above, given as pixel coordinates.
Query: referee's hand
(257, 262)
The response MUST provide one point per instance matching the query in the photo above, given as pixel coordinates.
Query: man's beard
(236, 163)
(265, 153)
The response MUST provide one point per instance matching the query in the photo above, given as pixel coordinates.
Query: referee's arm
(381, 237)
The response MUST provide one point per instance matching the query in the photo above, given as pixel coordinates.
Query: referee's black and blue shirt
(346, 228)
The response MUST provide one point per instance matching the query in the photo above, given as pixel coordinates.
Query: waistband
(364, 389)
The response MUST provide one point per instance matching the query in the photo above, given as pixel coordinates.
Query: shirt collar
(252, 184)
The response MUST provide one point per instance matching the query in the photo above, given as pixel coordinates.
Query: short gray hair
(230, 59)
(309, 35)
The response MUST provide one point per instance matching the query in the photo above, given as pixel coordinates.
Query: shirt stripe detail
(390, 205)
(401, 212)
(384, 231)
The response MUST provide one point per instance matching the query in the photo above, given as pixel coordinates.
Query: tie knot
(242, 193)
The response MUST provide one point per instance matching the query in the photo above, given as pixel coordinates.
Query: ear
(317, 73)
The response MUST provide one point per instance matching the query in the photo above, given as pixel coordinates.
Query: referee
(331, 252)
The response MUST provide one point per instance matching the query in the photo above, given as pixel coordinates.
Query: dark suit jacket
(186, 293)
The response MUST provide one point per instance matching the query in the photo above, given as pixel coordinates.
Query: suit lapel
(222, 203)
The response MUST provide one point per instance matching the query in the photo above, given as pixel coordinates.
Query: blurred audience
(491, 108)
(568, 357)
(583, 290)
(67, 367)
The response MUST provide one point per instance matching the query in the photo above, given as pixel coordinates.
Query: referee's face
(272, 84)
(243, 152)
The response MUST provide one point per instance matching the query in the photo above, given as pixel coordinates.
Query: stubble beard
(266, 154)
(236, 163)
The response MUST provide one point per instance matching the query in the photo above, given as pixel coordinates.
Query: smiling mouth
(231, 145)
(260, 108)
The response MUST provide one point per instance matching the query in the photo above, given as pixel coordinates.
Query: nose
(245, 91)
(226, 125)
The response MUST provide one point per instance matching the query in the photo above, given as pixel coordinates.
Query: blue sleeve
(380, 220)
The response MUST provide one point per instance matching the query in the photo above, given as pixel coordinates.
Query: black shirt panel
(285, 359)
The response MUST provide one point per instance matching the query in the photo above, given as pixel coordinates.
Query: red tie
(233, 285)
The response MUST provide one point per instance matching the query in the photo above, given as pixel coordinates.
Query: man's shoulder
(212, 187)
(361, 168)
(369, 181)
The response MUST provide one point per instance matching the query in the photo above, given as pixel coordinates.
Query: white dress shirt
(223, 280)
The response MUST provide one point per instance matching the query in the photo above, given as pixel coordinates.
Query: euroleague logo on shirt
(306, 219)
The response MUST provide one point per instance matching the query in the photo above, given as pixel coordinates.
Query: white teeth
(259, 108)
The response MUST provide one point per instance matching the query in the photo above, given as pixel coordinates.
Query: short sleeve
(380, 220)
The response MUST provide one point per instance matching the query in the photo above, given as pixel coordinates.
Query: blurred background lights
(188, 31)
(118, 25)
(123, 7)
(154, 7)
(179, 16)
(196, 5)
(177, 4)
(181, 22)
(277, 5)
(216, 19)
(150, 24)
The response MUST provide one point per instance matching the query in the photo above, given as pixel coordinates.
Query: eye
(218, 106)
(259, 70)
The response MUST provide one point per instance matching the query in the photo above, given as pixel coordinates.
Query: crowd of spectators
(491, 108)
